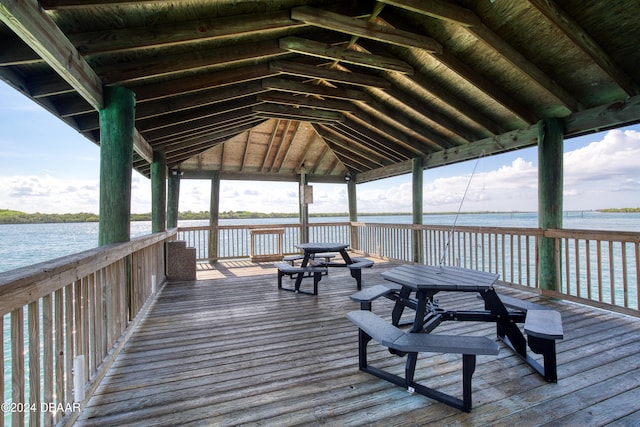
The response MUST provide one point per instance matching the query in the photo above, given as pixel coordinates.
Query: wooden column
(353, 210)
(417, 173)
(550, 185)
(304, 209)
(173, 199)
(116, 161)
(214, 216)
(159, 192)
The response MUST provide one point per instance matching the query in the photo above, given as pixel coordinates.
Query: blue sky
(46, 166)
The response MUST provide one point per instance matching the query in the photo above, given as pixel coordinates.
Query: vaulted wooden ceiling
(264, 89)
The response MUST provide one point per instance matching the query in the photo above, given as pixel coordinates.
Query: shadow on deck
(231, 349)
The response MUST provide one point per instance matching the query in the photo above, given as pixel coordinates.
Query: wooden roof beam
(195, 115)
(198, 99)
(583, 122)
(313, 72)
(163, 65)
(305, 101)
(217, 118)
(39, 31)
(342, 54)
(220, 79)
(369, 158)
(316, 90)
(422, 135)
(181, 33)
(360, 131)
(472, 23)
(582, 39)
(301, 113)
(391, 133)
(357, 27)
(237, 120)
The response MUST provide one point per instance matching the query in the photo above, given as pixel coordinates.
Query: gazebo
(288, 90)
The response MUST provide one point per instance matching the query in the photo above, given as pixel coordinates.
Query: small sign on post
(308, 194)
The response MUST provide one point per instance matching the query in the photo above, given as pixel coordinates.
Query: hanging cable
(455, 220)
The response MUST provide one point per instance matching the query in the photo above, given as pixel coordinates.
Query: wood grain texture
(233, 350)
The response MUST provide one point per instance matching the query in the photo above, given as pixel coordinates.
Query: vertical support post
(173, 199)
(417, 173)
(159, 192)
(117, 121)
(550, 185)
(214, 216)
(304, 209)
(353, 211)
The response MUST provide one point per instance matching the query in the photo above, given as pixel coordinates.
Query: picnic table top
(441, 278)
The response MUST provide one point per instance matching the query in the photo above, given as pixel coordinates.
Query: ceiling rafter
(313, 72)
(584, 41)
(357, 27)
(314, 90)
(371, 157)
(474, 25)
(42, 35)
(343, 54)
(159, 65)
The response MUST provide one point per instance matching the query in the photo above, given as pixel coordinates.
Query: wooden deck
(231, 349)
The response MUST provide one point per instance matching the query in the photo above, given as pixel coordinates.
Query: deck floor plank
(236, 351)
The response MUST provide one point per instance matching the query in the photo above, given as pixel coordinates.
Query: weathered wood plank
(237, 351)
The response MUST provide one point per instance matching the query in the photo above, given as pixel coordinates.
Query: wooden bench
(356, 269)
(290, 270)
(291, 259)
(543, 327)
(374, 327)
(366, 296)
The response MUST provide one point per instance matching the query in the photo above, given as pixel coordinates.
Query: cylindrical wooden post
(353, 210)
(173, 199)
(550, 185)
(116, 161)
(214, 215)
(417, 173)
(304, 210)
(159, 192)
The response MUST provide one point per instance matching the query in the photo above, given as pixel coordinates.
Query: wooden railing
(66, 319)
(234, 241)
(594, 267)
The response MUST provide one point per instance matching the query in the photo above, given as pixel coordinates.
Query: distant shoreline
(8, 216)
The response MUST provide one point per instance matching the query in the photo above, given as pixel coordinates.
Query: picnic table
(542, 326)
(311, 264)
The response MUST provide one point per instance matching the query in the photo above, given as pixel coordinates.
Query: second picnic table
(310, 250)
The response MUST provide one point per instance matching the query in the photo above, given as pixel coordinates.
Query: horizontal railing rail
(234, 241)
(65, 320)
(594, 267)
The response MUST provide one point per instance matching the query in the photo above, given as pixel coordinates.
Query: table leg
(422, 298)
(305, 261)
(506, 328)
(398, 309)
(346, 257)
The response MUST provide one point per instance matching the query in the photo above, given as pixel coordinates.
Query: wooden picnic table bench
(374, 327)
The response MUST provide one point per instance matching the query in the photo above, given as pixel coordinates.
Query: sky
(48, 167)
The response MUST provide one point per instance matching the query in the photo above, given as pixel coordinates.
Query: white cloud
(601, 174)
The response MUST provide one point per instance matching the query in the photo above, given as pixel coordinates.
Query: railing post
(416, 234)
(353, 212)
(214, 214)
(550, 174)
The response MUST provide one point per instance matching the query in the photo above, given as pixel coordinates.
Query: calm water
(26, 244)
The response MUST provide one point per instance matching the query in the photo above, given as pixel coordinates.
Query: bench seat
(374, 327)
(287, 269)
(543, 327)
(366, 296)
(356, 269)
